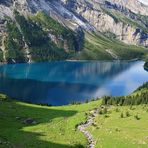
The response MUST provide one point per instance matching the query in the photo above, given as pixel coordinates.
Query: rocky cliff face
(113, 16)
(126, 20)
(133, 5)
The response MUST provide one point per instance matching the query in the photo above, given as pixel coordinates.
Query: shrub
(117, 110)
(106, 116)
(122, 115)
(100, 112)
(127, 114)
(105, 110)
(137, 117)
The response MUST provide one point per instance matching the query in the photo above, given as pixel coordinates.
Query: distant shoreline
(69, 60)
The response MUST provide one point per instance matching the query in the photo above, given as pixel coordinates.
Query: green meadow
(55, 128)
(121, 127)
(116, 125)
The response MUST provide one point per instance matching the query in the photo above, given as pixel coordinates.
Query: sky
(144, 1)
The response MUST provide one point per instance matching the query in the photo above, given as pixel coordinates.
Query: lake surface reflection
(60, 83)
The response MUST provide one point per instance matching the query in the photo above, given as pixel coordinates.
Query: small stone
(29, 121)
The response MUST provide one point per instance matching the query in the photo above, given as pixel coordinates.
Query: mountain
(144, 2)
(41, 30)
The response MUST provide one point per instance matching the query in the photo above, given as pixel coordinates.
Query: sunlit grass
(112, 130)
(56, 126)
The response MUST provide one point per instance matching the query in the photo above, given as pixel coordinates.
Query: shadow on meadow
(12, 115)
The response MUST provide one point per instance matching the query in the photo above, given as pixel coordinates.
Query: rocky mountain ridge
(123, 20)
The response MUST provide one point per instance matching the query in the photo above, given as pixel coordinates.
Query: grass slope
(56, 126)
(96, 46)
(123, 124)
(111, 130)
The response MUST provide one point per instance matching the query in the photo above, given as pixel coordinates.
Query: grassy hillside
(26, 125)
(122, 122)
(55, 127)
(121, 126)
(99, 47)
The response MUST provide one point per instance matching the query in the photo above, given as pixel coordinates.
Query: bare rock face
(133, 5)
(92, 13)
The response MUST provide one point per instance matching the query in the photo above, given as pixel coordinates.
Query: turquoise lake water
(60, 83)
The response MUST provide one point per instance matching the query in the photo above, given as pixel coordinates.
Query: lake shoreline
(128, 60)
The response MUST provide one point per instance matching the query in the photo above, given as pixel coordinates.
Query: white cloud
(144, 2)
